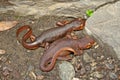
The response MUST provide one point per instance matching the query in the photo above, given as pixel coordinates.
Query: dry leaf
(2, 51)
(5, 25)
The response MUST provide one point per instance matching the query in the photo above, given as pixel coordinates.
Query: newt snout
(87, 43)
(82, 25)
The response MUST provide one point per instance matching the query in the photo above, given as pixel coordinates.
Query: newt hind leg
(62, 23)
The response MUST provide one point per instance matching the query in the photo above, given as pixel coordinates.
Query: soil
(19, 63)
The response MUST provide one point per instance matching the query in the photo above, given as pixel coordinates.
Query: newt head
(81, 23)
(86, 43)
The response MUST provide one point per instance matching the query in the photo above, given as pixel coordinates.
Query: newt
(54, 52)
(49, 35)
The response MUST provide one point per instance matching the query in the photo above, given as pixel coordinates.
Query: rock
(39, 8)
(30, 72)
(109, 66)
(40, 77)
(30, 68)
(6, 71)
(97, 75)
(87, 58)
(3, 58)
(74, 60)
(113, 76)
(88, 67)
(75, 79)
(32, 75)
(104, 24)
(2, 51)
(82, 71)
(66, 71)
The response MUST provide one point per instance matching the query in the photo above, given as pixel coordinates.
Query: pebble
(93, 64)
(97, 75)
(39, 77)
(87, 58)
(30, 72)
(3, 58)
(2, 51)
(32, 75)
(87, 67)
(7, 68)
(113, 75)
(74, 60)
(28, 51)
(109, 66)
(100, 57)
(66, 70)
(116, 68)
(82, 71)
(30, 68)
(91, 78)
(94, 79)
(96, 46)
(38, 71)
(6, 71)
(94, 55)
(75, 79)
(77, 67)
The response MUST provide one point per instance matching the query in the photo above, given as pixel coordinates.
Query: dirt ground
(19, 63)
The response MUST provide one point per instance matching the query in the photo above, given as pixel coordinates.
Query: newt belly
(54, 52)
(49, 35)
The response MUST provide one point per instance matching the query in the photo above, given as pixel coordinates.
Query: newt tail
(27, 36)
(49, 65)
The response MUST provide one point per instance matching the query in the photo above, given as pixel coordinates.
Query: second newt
(56, 48)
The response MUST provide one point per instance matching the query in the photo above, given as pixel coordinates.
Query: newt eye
(88, 45)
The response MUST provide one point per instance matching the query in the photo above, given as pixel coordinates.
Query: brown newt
(49, 35)
(56, 48)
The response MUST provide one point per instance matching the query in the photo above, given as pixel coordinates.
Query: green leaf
(89, 12)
